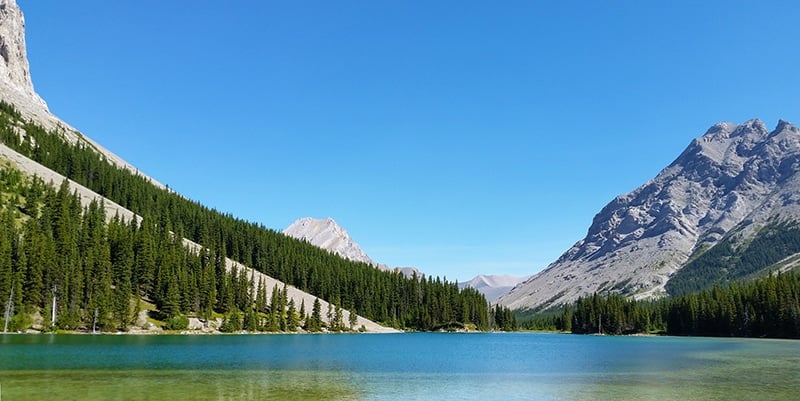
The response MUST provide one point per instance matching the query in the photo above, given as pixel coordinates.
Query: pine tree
(291, 317)
(330, 316)
(338, 319)
(302, 312)
(314, 323)
(273, 319)
(282, 314)
(353, 318)
(261, 297)
(250, 322)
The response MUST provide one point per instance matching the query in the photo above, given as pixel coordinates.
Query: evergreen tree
(291, 317)
(302, 312)
(282, 314)
(314, 323)
(275, 311)
(353, 319)
(338, 319)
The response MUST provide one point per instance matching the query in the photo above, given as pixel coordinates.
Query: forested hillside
(726, 262)
(92, 268)
(767, 307)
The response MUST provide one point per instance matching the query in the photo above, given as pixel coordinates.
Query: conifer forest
(75, 268)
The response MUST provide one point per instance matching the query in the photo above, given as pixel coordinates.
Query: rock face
(16, 85)
(493, 286)
(733, 176)
(326, 234)
(14, 65)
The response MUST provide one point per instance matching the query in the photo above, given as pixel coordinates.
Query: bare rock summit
(734, 176)
(328, 235)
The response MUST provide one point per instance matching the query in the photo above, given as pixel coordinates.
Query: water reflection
(177, 385)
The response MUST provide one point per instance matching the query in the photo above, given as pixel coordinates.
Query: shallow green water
(395, 367)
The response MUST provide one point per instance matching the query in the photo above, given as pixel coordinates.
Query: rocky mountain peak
(640, 239)
(328, 235)
(783, 124)
(14, 67)
(492, 286)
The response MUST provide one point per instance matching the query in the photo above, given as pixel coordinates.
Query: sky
(459, 137)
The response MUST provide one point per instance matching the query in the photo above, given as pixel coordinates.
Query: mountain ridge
(733, 175)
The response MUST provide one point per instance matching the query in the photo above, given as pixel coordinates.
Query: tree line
(177, 275)
(767, 307)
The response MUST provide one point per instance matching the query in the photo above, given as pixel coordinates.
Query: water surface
(396, 366)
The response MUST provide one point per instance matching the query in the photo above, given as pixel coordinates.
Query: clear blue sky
(458, 137)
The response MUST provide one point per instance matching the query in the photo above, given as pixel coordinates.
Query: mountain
(493, 286)
(328, 235)
(735, 179)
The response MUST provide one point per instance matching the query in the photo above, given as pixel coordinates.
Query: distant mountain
(493, 286)
(408, 271)
(328, 235)
(730, 183)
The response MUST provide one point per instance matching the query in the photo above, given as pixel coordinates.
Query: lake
(420, 366)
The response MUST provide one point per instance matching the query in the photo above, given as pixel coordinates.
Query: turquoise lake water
(424, 366)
